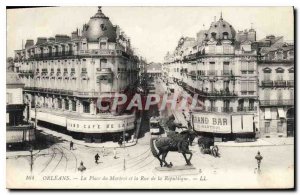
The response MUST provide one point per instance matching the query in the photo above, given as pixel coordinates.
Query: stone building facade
(64, 77)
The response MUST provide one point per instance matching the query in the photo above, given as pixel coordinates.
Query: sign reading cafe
(205, 122)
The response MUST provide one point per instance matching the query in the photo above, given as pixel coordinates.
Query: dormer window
(102, 45)
(225, 35)
(214, 35)
(267, 70)
(279, 70)
(291, 70)
(103, 27)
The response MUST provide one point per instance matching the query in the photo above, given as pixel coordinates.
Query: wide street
(234, 164)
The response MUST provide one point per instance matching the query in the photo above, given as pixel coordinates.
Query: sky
(153, 30)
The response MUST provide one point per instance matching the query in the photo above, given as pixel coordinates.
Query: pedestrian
(71, 145)
(81, 168)
(120, 142)
(115, 153)
(97, 158)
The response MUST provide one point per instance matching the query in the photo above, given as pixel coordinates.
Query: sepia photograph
(150, 97)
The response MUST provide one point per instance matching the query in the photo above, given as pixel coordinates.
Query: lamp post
(258, 157)
(124, 165)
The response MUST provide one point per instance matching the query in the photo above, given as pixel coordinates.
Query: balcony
(211, 72)
(23, 127)
(210, 109)
(221, 93)
(101, 52)
(226, 73)
(227, 109)
(267, 83)
(279, 83)
(286, 102)
(104, 71)
(246, 109)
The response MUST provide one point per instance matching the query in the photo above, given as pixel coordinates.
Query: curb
(256, 145)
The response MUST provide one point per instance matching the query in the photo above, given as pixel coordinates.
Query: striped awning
(268, 113)
(281, 113)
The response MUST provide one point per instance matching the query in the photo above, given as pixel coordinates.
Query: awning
(281, 113)
(268, 113)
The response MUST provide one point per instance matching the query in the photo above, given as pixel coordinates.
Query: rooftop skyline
(153, 30)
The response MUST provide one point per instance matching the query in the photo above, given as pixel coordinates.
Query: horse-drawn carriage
(207, 146)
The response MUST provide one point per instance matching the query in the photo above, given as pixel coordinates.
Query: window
(67, 104)
(251, 67)
(279, 127)
(84, 70)
(59, 104)
(86, 107)
(226, 49)
(73, 105)
(8, 98)
(279, 76)
(241, 105)
(267, 76)
(251, 86)
(225, 34)
(226, 105)
(244, 67)
(226, 68)
(267, 127)
(292, 94)
(103, 63)
(213, 104)
(251, 104)
(102, 45)
(243, 86)
(267, 93)
(214, 35)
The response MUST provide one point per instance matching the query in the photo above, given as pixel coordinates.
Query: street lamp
(124, 167)
(31, 159)
(258, 157)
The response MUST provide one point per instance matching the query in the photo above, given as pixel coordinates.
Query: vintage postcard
(150, 98)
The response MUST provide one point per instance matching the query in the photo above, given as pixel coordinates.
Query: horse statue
(173, 142)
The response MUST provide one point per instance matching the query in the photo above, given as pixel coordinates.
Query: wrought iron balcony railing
(285, 102)
(267, 83)
(279, 83)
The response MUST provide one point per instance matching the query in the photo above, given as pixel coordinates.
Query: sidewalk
(259, 142)
(69, 138)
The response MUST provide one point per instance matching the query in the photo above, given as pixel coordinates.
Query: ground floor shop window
(86, 107)
(73, 106)
(267, 127)
(280, 126)
(59, 105)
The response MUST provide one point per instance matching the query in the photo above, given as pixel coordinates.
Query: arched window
(225, 35)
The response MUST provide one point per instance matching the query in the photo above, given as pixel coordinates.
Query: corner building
(222, 71)
(65, 75)
(276, 87)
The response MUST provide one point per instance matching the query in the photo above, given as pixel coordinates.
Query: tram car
(155, 127)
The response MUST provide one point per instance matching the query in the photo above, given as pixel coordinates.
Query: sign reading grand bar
(213, 123)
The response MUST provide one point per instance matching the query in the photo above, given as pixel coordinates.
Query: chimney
(74, 34)
(51, 39)
(62, 38)
(41, 40)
